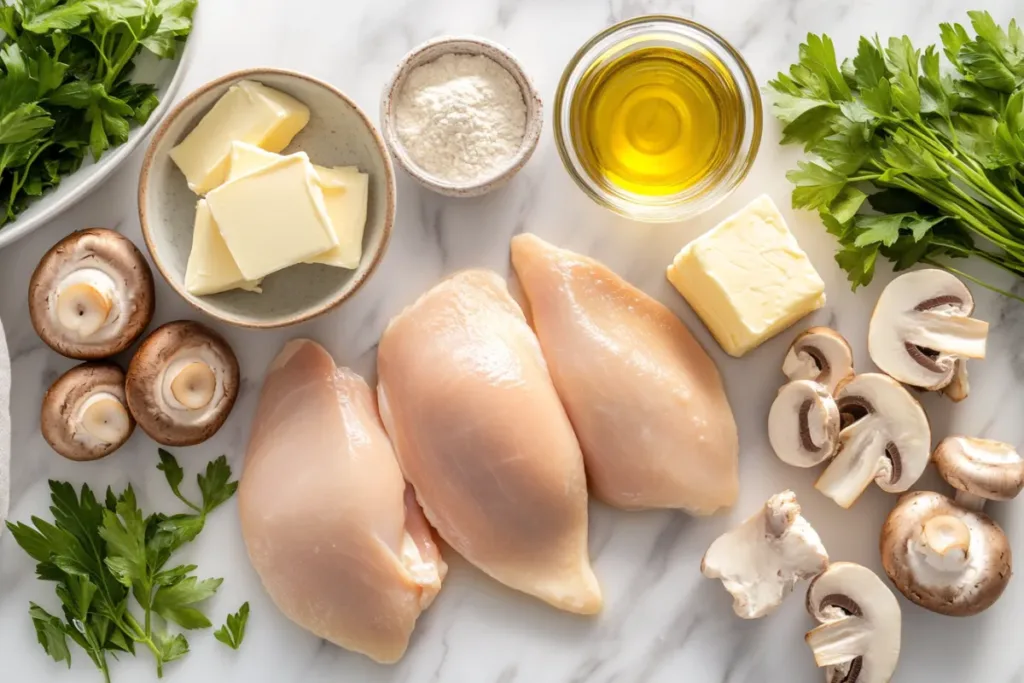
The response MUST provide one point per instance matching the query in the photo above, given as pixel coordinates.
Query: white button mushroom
(91, 295)
(946, 555)
(182, 383)
(803, 424)
(885, 438)
(859, 639)
(819, 354)
(761, 561)
(922, 326)
(84, 415)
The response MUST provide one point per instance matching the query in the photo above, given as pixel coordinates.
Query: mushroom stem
(969, 501)
(838, 642)
(951, 334)
(83, 308)
(854, 468)
(105, 418)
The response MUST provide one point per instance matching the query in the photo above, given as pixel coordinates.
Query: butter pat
(345, 191)
(748, 279)
(211, 268)
(273, 218)
(248, 112)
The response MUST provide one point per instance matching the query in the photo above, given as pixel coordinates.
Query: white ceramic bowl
(469, 45)
(338, 134)
(167, 76)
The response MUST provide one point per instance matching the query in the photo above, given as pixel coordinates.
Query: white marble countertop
(662, 622)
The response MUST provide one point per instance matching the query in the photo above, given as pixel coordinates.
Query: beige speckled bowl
(338, 134)
(469, 45)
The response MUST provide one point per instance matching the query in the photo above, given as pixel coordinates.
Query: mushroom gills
(85, 299)
(104, 417)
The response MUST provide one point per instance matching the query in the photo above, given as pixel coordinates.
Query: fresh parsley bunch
(64, 83)
(100, 554)
(937, 154)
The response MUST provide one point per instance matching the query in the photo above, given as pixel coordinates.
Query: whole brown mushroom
(182, 383)
(91, 295)
(84, 414)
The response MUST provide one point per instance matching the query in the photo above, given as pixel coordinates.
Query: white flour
(461, 117)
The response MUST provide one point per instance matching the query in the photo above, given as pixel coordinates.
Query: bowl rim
(107, 164)
(336, 299)
(531, 98)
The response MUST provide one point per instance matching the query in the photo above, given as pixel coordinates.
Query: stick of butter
(249, 112)
(346, 192)
(211, 267)
(747, 278)
(273, 218)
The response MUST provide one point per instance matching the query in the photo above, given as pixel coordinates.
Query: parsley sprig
(912, 161)
(102, 553)
(65, 87)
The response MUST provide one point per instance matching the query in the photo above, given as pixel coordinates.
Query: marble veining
(663, 622)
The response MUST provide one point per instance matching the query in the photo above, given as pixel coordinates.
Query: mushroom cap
(61, 419)
(957, 591)
(161, 359)
(885, 437)
(108, 262)
(803, 423)
(819, 354)
(921, 326)
(857, 612)
(989, 469)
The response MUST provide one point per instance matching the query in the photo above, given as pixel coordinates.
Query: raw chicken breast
(331, 527)
(480, 433)
(645, 399)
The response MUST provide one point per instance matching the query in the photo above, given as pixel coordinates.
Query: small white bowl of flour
(461, 115)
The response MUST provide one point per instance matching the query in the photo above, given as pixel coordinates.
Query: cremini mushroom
(819, 354)
(84, 414)
(861, 625)
(182, 383)
(760, 561)
(885, 438)
(979, 470)
(944, 557)
(91, 295)
(803, 424)
(922, 326)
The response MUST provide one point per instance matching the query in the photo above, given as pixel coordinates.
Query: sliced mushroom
(819, 354)
(885, 438)
(91, 295)
(859, 639)
(761, 561)
(84, 415)
(922, 326)
(980, 470)
(960, 386)
(944, 557)
(803, 424)
(182, 383)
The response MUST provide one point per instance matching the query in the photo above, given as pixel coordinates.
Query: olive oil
(656, 121)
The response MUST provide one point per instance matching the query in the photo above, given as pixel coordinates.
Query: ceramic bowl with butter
(187, 181)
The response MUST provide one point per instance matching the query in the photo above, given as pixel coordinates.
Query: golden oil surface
(655, 121)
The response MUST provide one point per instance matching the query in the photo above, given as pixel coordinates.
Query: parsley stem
(971, 278)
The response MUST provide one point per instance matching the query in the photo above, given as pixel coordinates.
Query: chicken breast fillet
(331, 527)
(646, 401)
(479, 431)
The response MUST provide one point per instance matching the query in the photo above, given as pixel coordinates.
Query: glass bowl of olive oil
(657, 118)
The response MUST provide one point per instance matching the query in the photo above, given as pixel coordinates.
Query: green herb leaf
(172, 647)
(816, 186)
(51, 633)
(233, 631)
(176, 601)
(216, 485)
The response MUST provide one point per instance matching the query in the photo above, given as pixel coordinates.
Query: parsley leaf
(233, 631)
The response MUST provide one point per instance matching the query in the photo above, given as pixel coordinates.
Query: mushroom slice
(885, 438)
(960, 386)
(921, 327)
(803, 424)
(979, 469)
(91, 295)
(820, 354)
(859, 639)
(760, 561)
(944, 557)
(84, 415)
(182, 383)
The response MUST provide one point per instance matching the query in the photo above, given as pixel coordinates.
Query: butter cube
(249, 112)
(346, 192)
(211, 269)
(273, 218)
(747, 278)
